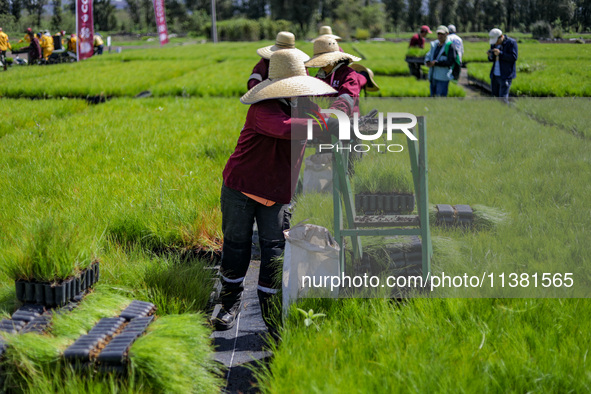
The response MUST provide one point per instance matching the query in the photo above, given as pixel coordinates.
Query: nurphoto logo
(393, 124)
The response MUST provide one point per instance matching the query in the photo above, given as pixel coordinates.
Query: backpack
(457, 66)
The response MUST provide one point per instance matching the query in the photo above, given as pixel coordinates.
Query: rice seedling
(383, 173)
(50, 252)
(175, 356)
(489, 218)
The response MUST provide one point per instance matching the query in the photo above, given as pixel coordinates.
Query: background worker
(503, 54)
(259, 180)
(326, 31)
(26, 37)
(46, 41)
(335, 71)
(418, 41)
(260, 72)
(456, 41)
(35, 51)
(440, 60)
(4, 46)
(72, 49)
(98, 44)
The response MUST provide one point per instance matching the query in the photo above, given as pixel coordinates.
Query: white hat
(326, 31)
(284, 40)
(494, 35)
(442, 29)
(287, 78)
(326, 52)
(451, 28)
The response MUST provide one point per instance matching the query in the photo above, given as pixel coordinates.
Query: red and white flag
(84, 29)
(161, 21)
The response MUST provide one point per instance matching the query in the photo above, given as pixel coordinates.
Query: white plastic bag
(318, 173)
(310, 251)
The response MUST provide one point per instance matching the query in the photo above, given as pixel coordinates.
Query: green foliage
(487, 343)
(541, 29)
(362, 34)
(50, 251)
(175, 356)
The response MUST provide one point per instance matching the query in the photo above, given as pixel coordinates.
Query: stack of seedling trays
(384, 204)
(57, 293)
(107, 344)
(458, 215)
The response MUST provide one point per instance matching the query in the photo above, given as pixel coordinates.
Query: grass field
(137, 181)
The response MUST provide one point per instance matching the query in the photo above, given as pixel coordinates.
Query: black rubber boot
(269, 313)
(231, 296)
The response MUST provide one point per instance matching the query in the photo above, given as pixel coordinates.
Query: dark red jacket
(34, 49)
(269, 154)
(417, 41)
(260, 72)
(346, 81)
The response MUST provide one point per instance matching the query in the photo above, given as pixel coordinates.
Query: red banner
(84, 29)
(161, 21)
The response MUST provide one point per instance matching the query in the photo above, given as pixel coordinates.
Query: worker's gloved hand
(333, 126)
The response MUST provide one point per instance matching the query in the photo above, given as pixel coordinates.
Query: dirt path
(472, 91)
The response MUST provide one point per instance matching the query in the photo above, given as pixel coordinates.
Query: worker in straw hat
(334, 70)
(326, 31)
(260, 72)
(260, 177)
(371, 85)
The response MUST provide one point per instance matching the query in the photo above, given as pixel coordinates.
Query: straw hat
(287, 78)
(326, 52)
(284, 40)
(371, 86)
(326, 31)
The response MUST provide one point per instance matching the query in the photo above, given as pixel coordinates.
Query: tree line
(346, 16)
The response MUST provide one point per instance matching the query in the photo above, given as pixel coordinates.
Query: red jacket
(417, 41)
(260, 72)
(269, 154)
(346, 81)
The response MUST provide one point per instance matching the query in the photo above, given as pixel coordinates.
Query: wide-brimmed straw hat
(326, 52)
(287, 78)
(371, 86)
(326, 31)
(284, 40)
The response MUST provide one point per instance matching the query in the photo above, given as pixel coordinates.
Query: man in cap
(457, 41)
(334, 70)
(503, 54)
(418, 41)
(260, 177)
(260, 72)
(34, 48)
(440, 60)
(4, 46)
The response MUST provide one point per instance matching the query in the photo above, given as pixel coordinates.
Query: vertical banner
(84, 29)
(161, 21)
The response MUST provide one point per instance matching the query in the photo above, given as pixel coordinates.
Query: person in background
(35, 51)
(503, 54)
(260, 72)
(98, 44)
(4, 46)
(418, 41)
(335, 71)
(440, 59)
(72, 49)
(46, 41)
(26, 38)
(259, 181)
(456, 41)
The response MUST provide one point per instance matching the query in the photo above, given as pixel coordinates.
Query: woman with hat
(260, 176)
(260, 72)
(334, 70)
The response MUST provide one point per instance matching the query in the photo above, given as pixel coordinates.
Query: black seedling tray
(51, 294)
(386, 204)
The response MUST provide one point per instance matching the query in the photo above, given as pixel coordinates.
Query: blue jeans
(500, 87)
(439, 88)
(238, 215)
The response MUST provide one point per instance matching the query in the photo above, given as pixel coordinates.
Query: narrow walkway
(241, 348)
(472, 91)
